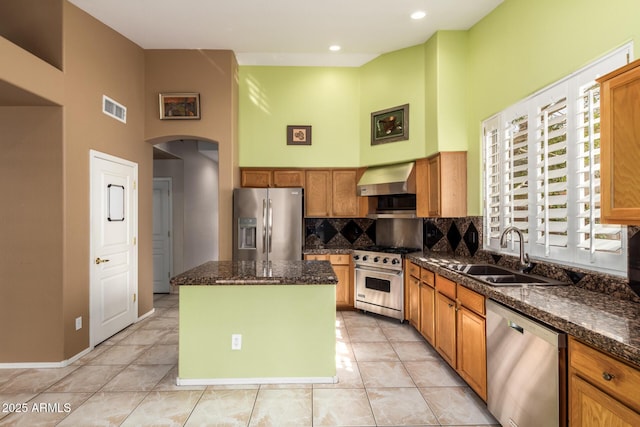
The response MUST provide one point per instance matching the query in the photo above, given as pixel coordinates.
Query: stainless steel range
(379, 277)
(379, 280)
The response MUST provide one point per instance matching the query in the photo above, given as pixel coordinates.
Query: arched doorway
(191, 166)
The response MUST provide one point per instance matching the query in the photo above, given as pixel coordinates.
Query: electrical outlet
(78, 323)
(236, 342)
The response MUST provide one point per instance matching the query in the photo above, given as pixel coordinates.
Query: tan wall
(213, 74)
(31, 230)
(99, 61)
(43, 19)
(45, 156)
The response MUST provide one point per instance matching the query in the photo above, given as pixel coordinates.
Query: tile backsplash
(463, 237)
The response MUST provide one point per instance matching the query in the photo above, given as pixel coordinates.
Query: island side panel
(288, 333)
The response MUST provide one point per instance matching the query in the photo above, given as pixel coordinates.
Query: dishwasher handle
(515, 326)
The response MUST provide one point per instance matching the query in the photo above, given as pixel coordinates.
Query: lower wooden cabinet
(452, 319)
(472, 350)
(414, 302)
(341, 264)
(446, 328)
(428, 313)
(603, 391)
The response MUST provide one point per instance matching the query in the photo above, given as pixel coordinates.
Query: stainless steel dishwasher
(526, 375)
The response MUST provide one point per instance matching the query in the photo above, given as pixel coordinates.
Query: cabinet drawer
(414, 270)
(340, 259)
(472, 300)
(610, 375)
(428, 277)
(316, 257)
(446, 287)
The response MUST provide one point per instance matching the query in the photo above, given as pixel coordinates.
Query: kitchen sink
(494, 275)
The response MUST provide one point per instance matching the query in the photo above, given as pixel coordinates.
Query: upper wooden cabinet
(259, 178)
(263, 178)
(441, 185)
(620, 145)
(317, 193)
(331, 193)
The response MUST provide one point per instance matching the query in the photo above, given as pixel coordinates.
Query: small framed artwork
(180, 106)
(390, 125)
(298, 135)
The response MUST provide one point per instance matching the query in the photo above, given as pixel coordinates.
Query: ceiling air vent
(114, 109)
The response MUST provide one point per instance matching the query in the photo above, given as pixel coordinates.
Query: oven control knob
(376, 259)
(386, 260)
(364, 258)
(395, 261)
(356, 257)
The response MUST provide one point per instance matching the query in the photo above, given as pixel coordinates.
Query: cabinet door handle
(607, 376)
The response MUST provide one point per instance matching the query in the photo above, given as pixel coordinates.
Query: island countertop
(258, 273)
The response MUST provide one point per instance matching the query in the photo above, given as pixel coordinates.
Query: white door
(114, 252)
(161, 234)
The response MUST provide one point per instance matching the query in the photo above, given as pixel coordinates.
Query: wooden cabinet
(341, 264)
(283, 178)
(414, 302)
(257, 178)
(331, 193)
(471, 340)
(452, 319)
(428, 306)
(317, 193)
(445, 325)
(603, 391)
(441, 185)
(344, 199)
(620, 145)
(421, 301)
(263, 178)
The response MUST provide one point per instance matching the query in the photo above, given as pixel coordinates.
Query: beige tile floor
(388, 376)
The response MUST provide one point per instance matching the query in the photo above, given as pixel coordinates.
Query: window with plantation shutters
(542, 174)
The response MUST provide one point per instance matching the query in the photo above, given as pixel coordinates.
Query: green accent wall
(288, 331)
(327, 98)
(391, 80)
(523, 46)
(453, 81)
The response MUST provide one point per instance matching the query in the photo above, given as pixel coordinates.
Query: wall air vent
(114, 109)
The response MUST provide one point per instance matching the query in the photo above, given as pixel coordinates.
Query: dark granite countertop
(258, 273)
(328, 251)
(607, 323)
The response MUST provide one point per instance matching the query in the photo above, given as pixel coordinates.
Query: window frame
(498, 126)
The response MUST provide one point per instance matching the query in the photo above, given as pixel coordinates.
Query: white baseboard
(39, 365)
(147, 314)
(266, 380)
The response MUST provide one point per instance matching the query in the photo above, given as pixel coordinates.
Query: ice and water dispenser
(247, 228)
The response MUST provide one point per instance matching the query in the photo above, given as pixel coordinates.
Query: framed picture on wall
(298, 135)
(390, 125)
(180, 106)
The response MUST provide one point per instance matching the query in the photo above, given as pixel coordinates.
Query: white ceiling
(286, 32)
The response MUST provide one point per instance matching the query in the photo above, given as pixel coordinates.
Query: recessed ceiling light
(334, 48)
(418, 14)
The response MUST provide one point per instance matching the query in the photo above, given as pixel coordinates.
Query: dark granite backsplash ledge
(462, 237)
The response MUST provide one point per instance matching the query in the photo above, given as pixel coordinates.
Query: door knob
(100, 261)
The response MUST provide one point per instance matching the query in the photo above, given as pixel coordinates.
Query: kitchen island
(280, 314)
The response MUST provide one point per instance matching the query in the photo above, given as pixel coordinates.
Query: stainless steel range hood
(388, 180)
(394, 187)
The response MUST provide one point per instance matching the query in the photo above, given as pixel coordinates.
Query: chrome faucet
(525, 264)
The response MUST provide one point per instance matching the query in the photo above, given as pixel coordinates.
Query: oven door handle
(379, 270)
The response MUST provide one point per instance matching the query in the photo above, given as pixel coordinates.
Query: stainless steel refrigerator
(267, 224)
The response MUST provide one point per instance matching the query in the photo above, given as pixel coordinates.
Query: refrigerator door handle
(270, 235)
(264, 225)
